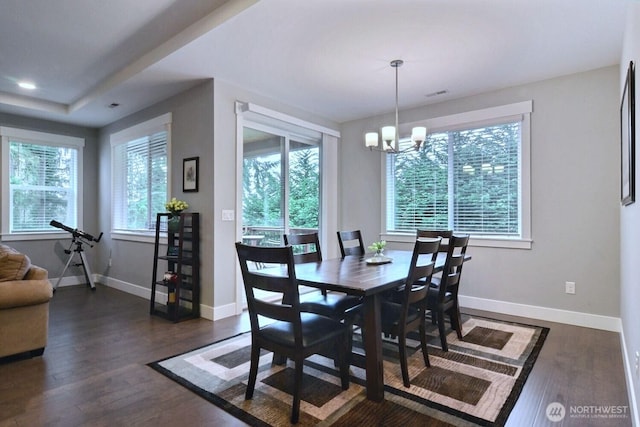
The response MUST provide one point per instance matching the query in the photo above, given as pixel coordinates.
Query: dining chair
(306, 247)
(282, 327)
(330, 304)
(443, 298)
(444, 245)
(353, 241)
(444, 234)
(400, 318)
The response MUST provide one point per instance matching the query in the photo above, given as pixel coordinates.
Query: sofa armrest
(36, 273)
(19, 293)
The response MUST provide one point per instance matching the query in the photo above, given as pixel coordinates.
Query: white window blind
(140, 175)
(40, 180)
(465, 177)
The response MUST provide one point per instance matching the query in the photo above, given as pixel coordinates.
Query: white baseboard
(68, 281)
(629, 370)
(224, 311)
(575, 318)
(206, 312)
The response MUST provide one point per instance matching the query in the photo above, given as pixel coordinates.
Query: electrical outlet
(570, 287)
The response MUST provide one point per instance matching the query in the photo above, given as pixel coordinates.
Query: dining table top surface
(355, 276)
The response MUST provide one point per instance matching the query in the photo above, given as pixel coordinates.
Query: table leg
(373, 348)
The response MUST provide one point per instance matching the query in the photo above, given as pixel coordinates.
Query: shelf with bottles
(177, 295)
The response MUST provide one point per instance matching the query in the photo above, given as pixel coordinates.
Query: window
(469, 175)
(140, 165)
(40, 182)
(281, 183)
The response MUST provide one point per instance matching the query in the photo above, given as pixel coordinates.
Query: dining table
(366, 277)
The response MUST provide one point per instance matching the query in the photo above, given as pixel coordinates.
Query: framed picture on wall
(628, 139)
(190, 174)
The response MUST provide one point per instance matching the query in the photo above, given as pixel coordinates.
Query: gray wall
(575, 202)
(49, 254)
(198, 129)
(191, 136)
(630, 215)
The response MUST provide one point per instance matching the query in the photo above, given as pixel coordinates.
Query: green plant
(378, 246)
(175, 205)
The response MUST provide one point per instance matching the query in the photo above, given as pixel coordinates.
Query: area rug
(477, 382)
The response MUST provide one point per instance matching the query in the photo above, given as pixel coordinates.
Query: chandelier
(391, 134)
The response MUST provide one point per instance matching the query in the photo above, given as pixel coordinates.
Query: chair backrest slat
(453, 264)
(425, 252)
(350, 237)
(306, 247)
(444, 234)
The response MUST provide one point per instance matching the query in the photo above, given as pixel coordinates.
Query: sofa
(25, 292)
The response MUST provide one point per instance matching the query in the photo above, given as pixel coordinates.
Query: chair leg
(297, 387)
(345, 359)
(423, 344)
(441, 329)
(253, 371)
(402, 349)
(456, 320)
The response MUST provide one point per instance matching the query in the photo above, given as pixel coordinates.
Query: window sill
(138, 237)
(16, 237)
(487, 242)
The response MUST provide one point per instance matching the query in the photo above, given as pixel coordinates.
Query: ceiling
(328, 57)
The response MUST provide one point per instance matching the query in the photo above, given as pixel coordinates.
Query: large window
(40, 182)
(470, 176)
(140, 165)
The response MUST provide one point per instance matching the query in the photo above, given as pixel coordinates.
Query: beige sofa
(25, 292)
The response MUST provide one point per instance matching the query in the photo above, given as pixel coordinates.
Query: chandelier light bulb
(371, 139)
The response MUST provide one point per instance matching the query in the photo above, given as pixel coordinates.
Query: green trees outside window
(466, 180)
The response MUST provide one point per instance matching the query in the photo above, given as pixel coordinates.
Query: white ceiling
(328, 57)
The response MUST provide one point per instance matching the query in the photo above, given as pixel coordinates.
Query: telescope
(78, 238)
(75, 232)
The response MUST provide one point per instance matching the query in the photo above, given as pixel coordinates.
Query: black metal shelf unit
(181, 282)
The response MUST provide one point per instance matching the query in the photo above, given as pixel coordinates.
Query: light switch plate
(228, 214)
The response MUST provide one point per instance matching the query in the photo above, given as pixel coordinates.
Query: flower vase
(173, 223)
(379, 253)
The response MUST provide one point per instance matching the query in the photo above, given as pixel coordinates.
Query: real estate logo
(555, 412)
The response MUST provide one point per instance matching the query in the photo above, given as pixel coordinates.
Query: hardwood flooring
(93, 371)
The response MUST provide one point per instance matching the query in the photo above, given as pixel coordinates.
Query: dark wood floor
(94, 373)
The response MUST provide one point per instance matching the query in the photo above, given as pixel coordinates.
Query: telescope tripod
(83, 262)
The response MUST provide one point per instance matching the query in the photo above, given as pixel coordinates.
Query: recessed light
(27, 85)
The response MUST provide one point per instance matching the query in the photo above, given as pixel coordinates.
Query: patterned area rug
(477, 382)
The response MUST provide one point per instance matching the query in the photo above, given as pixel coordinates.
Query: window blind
(465, 179)
(140, 182)
(43, 186)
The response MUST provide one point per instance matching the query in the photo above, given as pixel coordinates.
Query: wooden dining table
(352, 275)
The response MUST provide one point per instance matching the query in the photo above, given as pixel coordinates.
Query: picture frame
(628, 139)
(190, 174)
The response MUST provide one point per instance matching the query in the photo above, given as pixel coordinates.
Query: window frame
(38, 138)
(487, 116)
(140, 130)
